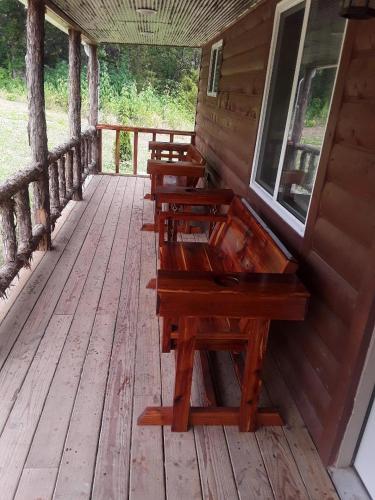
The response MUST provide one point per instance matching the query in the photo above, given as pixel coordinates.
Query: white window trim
(271, 200)
(213, 67)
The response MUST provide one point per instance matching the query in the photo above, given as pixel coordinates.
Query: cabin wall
(322, 357)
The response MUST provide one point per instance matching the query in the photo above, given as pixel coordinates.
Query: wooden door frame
(362, 400)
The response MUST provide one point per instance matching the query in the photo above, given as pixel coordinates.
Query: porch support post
(93, 78)
(75, 107)
(37, 119)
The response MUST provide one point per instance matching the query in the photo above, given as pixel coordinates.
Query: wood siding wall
(321, 358)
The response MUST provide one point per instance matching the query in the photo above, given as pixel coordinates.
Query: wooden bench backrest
(194, 155)
(245, 243)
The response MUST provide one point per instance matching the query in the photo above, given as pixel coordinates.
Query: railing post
(117, 152)
(75, 107)
(93, 78)
(37, 118)
(62, 180)
(8, 231)
(135, 153)
(100, 147)
(23, 217)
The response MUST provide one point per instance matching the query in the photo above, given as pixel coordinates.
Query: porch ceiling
(176, 22)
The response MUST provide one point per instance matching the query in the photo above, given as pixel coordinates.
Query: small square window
(215, 69)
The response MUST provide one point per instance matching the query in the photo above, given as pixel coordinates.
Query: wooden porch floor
(80, 359)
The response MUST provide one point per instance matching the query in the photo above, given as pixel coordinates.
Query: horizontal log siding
(322, 357)
(226, 125)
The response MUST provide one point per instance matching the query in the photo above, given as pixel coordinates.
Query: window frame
(213, 67)
(271, 200)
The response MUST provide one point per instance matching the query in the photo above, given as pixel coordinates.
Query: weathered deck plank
(181, 465)
(17, 435)
(78, 459)
(73, 394)
(56, 414)
(217, 477)
(313, 473)
(16, 365)
(247, 462)
(147, 471)
(12, 324)
(39, 480)
(113, 459)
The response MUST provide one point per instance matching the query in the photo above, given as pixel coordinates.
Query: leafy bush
(317, 112)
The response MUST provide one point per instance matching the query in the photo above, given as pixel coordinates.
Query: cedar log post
(93, 78)
(75, 107)
(37, 117)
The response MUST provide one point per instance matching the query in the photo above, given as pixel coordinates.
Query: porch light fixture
(358, 9)
(146, 12)
(147, 33)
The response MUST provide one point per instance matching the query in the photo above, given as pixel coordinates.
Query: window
(305, 54)
(215, 67)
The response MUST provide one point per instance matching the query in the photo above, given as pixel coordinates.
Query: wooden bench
(222, 295)
(186, 171)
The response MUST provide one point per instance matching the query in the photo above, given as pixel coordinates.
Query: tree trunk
(93, 77)
(75, 106)
(37, 119)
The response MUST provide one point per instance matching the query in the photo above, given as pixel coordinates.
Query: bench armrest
(193, 196)
(178, 168)
(238, 295)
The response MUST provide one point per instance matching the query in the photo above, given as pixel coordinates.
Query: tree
(12, 37)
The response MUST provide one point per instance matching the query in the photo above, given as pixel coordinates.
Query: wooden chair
(186, 171)
(222, 295)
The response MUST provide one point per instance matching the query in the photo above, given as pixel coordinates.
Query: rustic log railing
(19, 237)
(307, 160)
(136, 131)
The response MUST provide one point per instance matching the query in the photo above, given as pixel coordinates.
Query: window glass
(316, 78)
(215, 69)
(279, 95)
(219, 55)
(212, 71)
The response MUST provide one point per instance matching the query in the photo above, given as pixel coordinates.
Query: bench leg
(184, 374)
(251, 382)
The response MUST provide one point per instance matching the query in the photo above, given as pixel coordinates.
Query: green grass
(15, 151)
(14, 148)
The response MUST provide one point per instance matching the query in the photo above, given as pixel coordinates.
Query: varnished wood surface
(80, 360)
